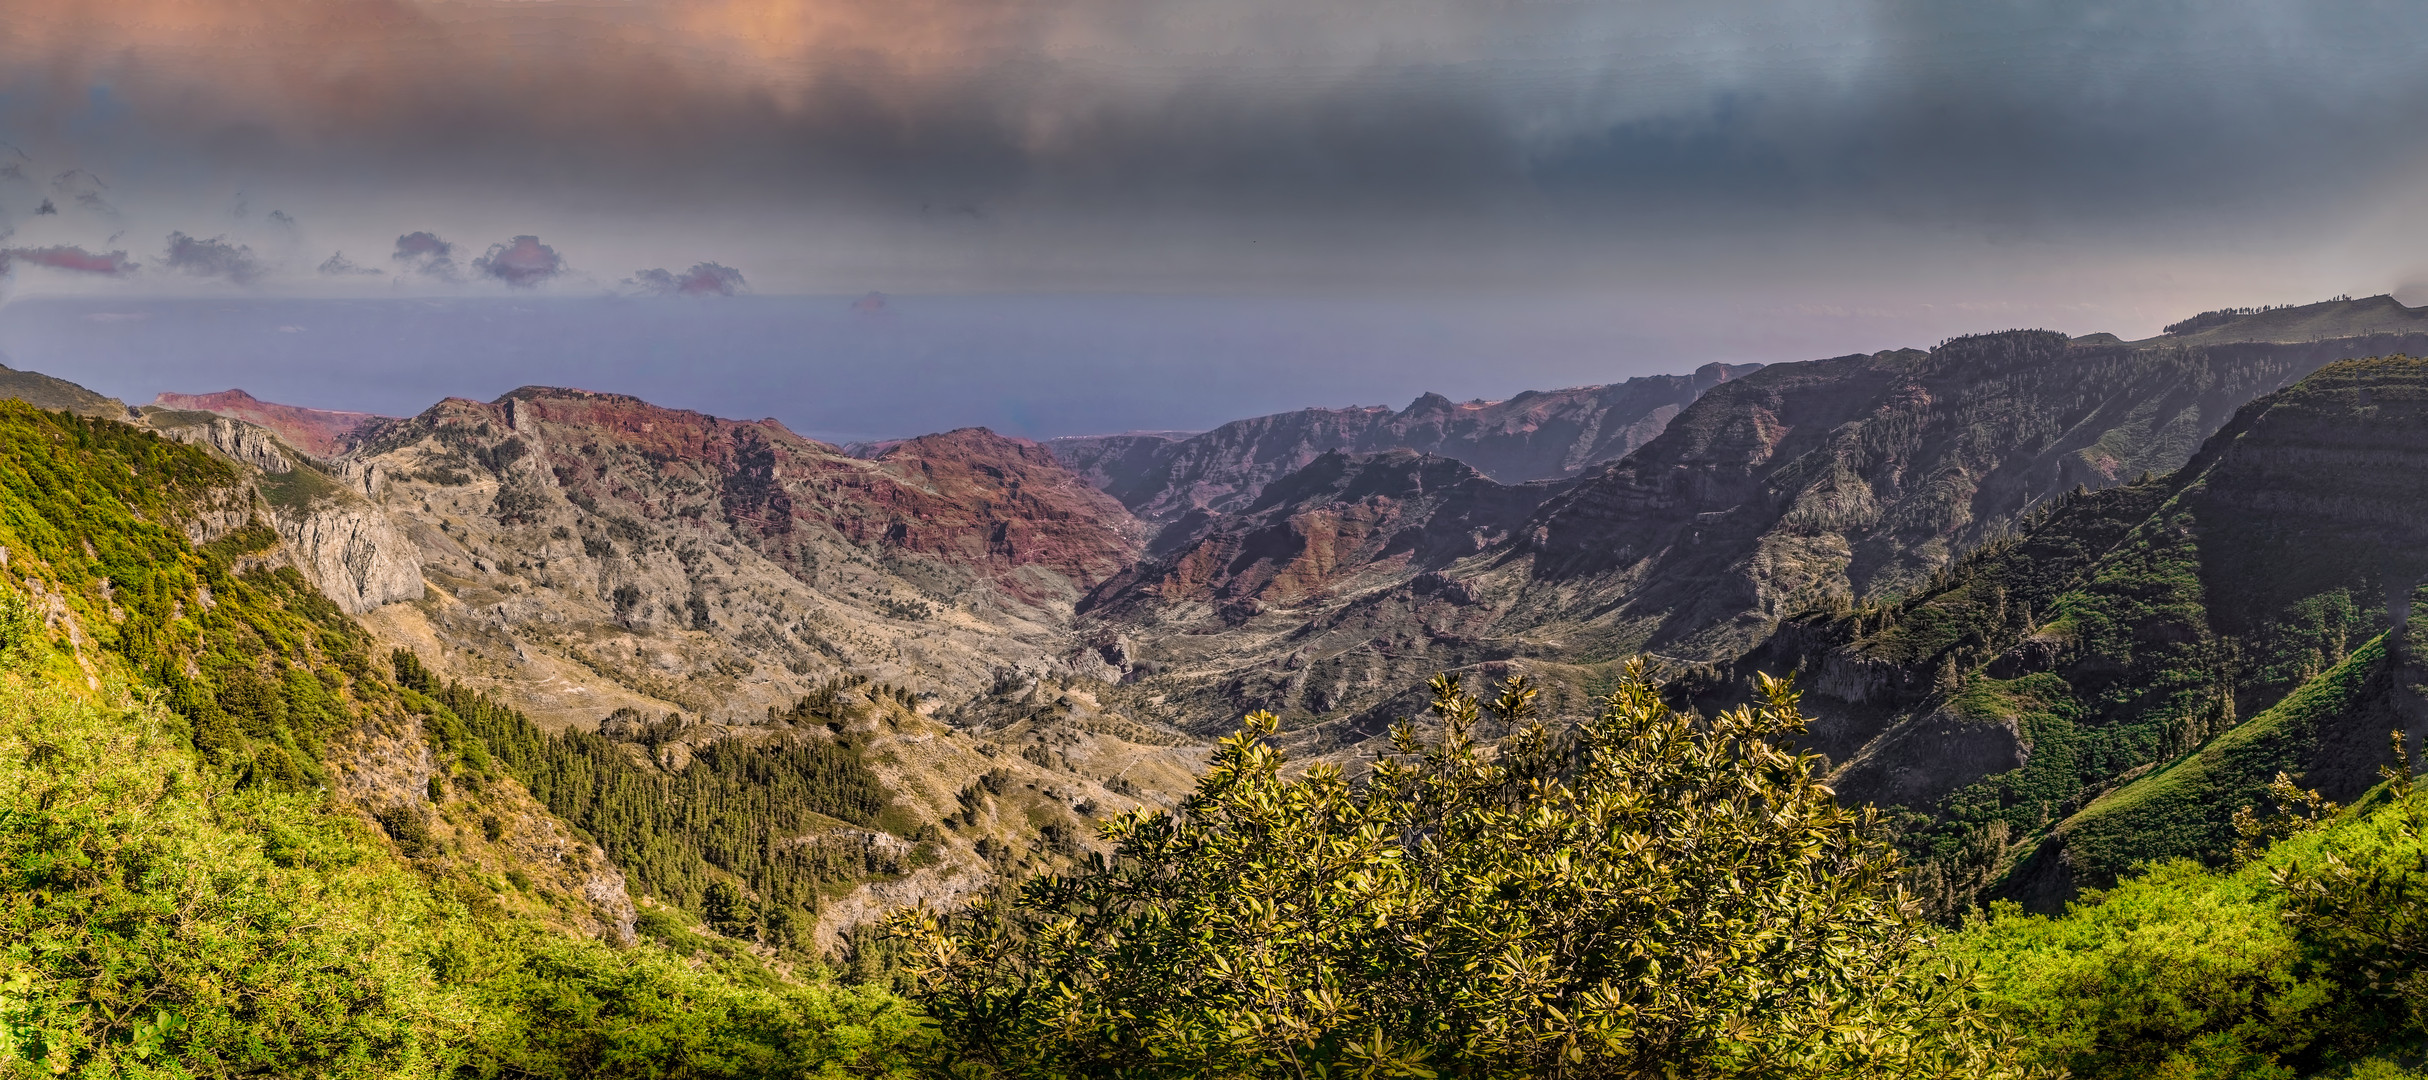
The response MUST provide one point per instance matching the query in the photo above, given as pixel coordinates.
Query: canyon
(1075, 620)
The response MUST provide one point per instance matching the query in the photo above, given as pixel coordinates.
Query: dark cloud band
(213, 258)
(1289, 107)
(703, 279)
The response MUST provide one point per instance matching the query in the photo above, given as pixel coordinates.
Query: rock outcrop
(339, 540)
(1817, 486)
(246, 442)
(1343, 521)
(591, 551)
(354, 553)
(594, 551)
(2108, 685)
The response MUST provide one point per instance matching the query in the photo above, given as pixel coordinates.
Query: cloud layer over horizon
(2239, 150)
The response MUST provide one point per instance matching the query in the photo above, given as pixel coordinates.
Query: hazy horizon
(1033, 366)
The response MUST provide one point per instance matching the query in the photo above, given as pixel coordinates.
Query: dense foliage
(1648, 893)
(2310, 961)
(733, 813)
(158, 917)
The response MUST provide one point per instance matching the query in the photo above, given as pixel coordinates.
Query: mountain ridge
(1535, 435)
(2023, 700)
(1112, 595)
(320, 432)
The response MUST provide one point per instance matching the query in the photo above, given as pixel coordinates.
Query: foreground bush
(1646, 894)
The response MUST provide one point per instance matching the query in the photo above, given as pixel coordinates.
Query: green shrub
(1649, 893)
(2310, 961)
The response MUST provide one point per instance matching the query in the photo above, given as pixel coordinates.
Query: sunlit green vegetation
(1643, 893)
(1646, 894)
(2311, 960)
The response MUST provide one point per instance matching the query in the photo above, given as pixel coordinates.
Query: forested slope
(2122, 630)
(231, 846)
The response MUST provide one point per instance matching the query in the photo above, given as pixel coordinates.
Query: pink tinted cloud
(73, 260)
(522, 262)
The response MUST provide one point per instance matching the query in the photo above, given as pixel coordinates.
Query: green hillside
(46, 392)
(2320, 732)
(2339, 318)
(185, 893)
(180, 893)
(2311, 961)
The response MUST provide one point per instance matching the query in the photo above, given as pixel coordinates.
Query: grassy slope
(46, 392)
(2185, 972)
(2313, 322)
(2185, 809)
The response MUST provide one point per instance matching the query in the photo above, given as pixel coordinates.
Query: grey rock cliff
(251, 444)
(357, 557)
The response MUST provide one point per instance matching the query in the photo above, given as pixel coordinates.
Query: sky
(1326, 199)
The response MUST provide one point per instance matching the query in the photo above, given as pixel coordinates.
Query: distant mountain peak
(2341, 317)
(317, 431)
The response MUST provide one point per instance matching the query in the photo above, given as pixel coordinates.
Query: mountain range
(2058, 603)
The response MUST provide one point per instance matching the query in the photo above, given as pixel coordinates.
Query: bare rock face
(247, 443)
(221, 511)
(1823, 485)
(1342, 520)
(336, 537)
(357, 557)
(1860, 476)
(1922, 760)
(593, 552)
(338, 540)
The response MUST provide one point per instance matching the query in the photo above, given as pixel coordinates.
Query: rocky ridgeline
(2219, 617)
(594, 551)
(337, 539)
(321, 432)
(575, 553)
(1537, 435)
(1799, 487)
